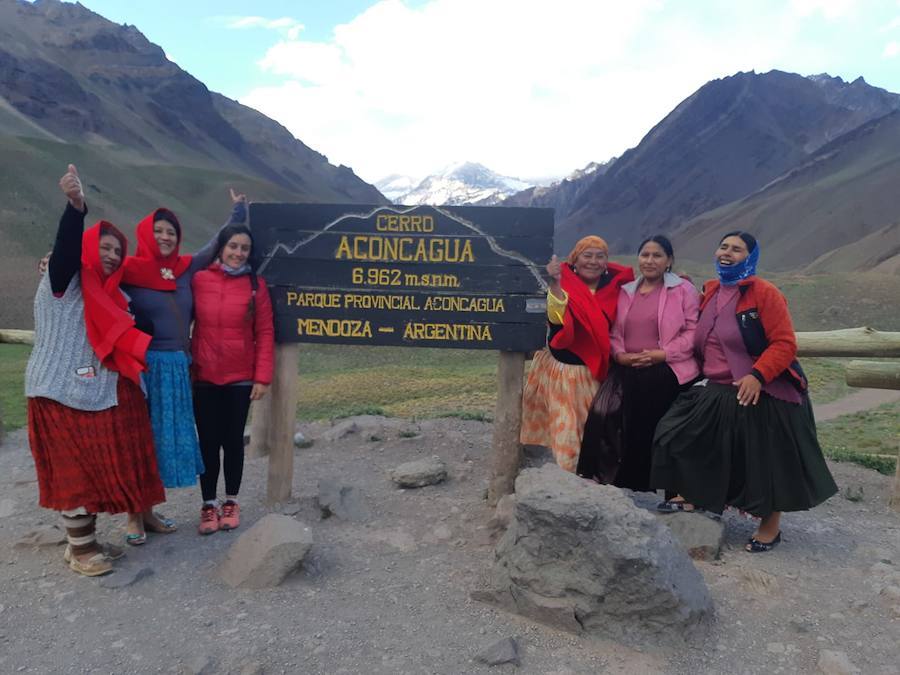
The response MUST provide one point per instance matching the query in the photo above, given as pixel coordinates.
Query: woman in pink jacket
(652, 343)
(232, 348)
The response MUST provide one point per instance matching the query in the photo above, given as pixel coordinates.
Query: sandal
(162, 525)
(674, 506)
(95, 566)
(754, 545)
(136, 539)
(109, 551)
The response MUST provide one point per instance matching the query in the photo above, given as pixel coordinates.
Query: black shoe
(754, 545)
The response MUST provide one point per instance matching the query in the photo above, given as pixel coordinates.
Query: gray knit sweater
(63, 366)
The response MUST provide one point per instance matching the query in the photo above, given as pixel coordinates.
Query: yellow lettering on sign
(397, 223)
(393, 302)
(404, 249)
(334, 328)
(453, 303)
(456, 332)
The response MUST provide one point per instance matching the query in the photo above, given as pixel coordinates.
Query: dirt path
(389, 593)
(858, 401)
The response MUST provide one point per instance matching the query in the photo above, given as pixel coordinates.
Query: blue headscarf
(729, 275)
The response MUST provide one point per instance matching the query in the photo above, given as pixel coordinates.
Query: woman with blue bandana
(744, 436)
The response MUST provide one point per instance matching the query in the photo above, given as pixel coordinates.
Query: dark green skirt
(763, 458)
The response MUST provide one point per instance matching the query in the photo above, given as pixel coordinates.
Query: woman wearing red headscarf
(564, 377)
(87, 420)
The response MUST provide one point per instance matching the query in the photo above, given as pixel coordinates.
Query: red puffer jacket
(228, 346)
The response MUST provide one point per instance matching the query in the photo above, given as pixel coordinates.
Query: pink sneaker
(209, 519)
(231, 515)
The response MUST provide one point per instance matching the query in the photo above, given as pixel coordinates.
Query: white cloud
(524, 87)
(891, 49)
(830, 9)
(286, 25)
(891, 25)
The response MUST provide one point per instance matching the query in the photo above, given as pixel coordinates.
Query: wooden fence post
(894, 500)
(507, 451)
(261, 429)
(874, 374)
(283, 420)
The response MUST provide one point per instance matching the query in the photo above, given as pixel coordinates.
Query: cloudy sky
(530, 88)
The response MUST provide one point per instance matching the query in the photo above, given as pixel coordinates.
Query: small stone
(7, 507)
(302, 441)
(341, 500)
(835, 663)
(420, 472)
(442, 533)
(44, 536)
(125, 575)
(503, 651)
(775, 648)
(197, 665)
(891, 592)
(252, 668)
(266, 553)
(700, 535)
(837, 616)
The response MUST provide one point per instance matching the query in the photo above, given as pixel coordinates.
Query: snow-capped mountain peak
(458, 183)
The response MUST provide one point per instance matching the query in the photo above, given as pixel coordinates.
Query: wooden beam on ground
(12, 336)
(851, 342)
(874, 374)
(507, 451)
(283, 419)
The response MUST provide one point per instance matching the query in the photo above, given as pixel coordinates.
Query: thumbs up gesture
(553, 268)
(70, 184)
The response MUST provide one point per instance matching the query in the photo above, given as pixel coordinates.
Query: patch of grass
(466, 415)
(12, 385)
(867, 438)
(827, 381)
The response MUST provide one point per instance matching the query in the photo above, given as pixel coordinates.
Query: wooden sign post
(461, 277)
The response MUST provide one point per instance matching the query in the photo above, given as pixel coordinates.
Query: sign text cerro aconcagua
(421, 276)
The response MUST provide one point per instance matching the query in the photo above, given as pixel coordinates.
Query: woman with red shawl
(564, 377)
(87, 419)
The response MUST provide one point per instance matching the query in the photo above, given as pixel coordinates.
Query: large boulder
(266, 553)
(582, 557)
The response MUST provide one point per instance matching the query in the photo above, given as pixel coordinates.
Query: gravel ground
(389, 593)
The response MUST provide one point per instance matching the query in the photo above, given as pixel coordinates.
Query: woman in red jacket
(232, 348)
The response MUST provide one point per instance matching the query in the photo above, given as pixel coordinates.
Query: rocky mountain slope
(75, 87)
(729, 139)
(836, 212)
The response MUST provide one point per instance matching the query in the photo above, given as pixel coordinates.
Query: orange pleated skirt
(555, 406)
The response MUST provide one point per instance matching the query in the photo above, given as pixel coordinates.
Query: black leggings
(221, 414)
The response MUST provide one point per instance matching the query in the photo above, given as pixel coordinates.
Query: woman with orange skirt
(564, 377)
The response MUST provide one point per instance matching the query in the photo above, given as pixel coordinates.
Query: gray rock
(44, 536)
(420, 472)
(835, 663)
(700, 535)
(252, 668)
(301, 441)
(266, 553)
(582, 557)
(503, 651)
(503, 513)
(197, 665)
(365, 425)
(125, 575)
(341, 500)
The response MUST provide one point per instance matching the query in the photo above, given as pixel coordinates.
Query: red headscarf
(110, 329)
(148, 268)
(590, 313)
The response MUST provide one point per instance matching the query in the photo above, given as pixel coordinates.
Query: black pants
(221, 414)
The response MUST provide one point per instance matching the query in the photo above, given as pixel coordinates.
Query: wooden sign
(423, 276)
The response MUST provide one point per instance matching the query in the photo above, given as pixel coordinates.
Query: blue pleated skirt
(168, 384)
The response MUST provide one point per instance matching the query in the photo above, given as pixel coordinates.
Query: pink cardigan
(679, 308)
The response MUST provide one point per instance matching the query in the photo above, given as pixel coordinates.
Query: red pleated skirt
(103, 461)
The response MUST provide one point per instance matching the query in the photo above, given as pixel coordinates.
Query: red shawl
(110, 329)
(147, 268)
(589, 315)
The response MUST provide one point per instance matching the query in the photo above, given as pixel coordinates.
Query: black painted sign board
(423, 276)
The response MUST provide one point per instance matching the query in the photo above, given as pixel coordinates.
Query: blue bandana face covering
(236, 272)
(729, 275)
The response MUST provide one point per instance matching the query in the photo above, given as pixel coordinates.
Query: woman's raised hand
(553, 268)
(237, 196)
(70, 184)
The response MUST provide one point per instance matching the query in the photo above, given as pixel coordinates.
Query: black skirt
(616, 446)
(763, 458)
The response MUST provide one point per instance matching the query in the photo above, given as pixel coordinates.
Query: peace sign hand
(70, 184)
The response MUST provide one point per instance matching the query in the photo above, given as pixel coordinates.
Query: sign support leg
(261, 430)
(507, 451)
(283, 420)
